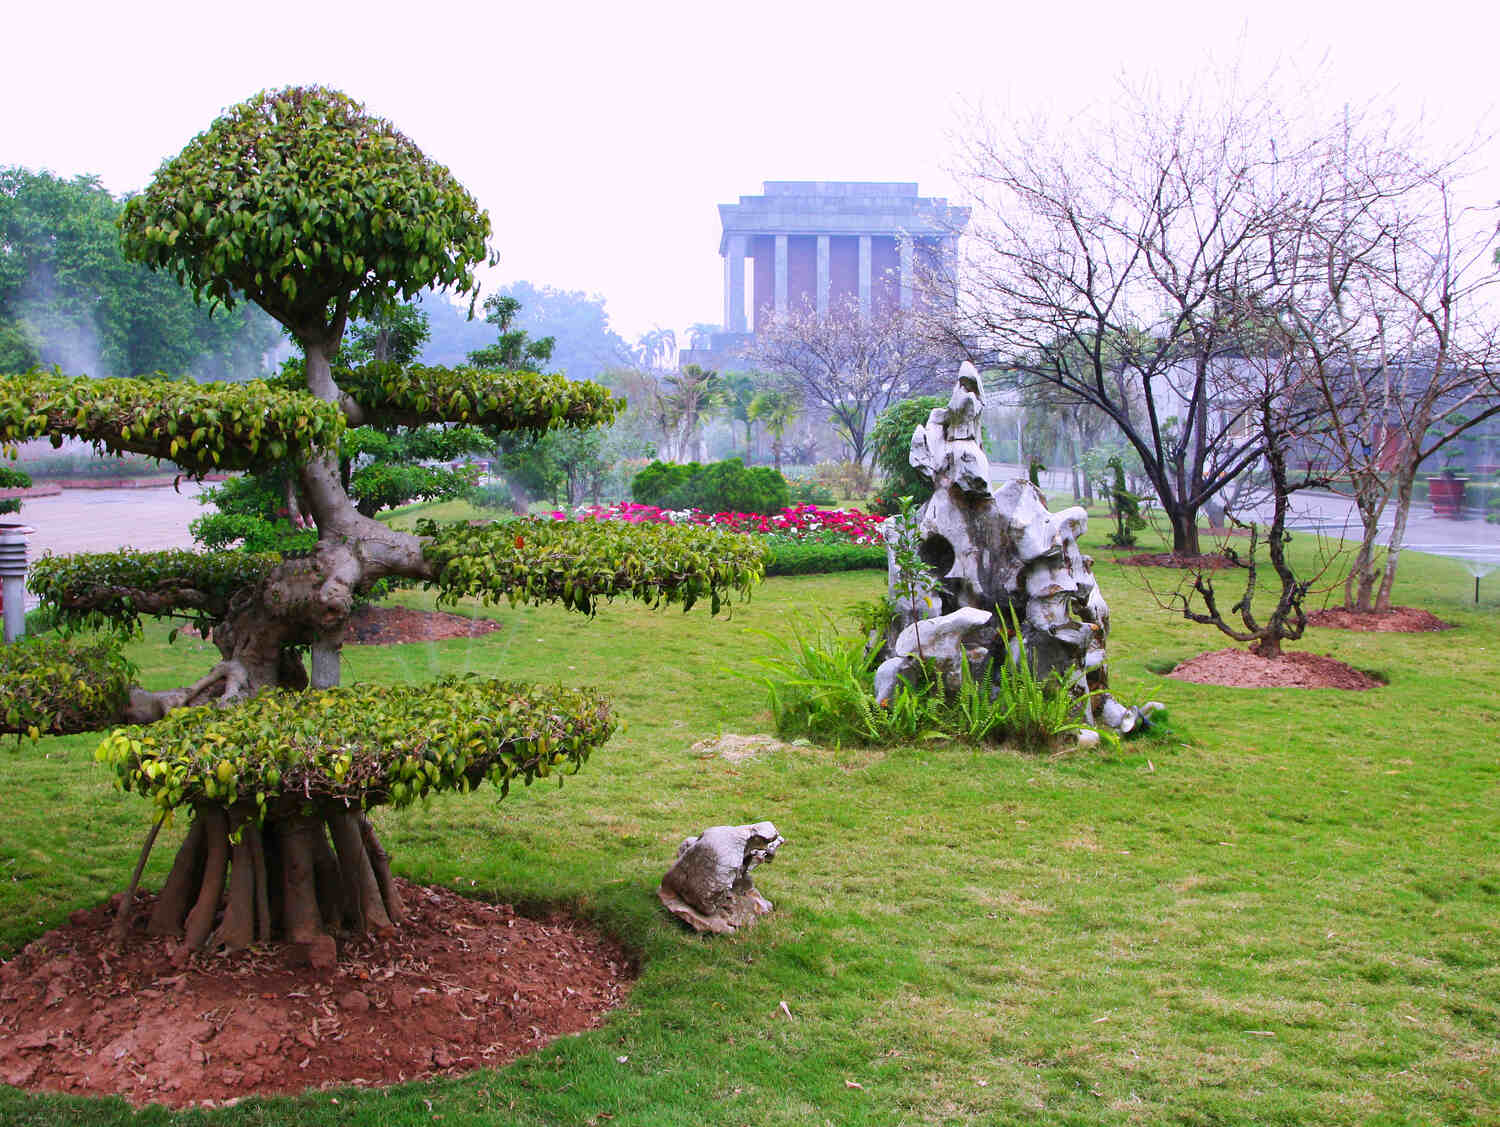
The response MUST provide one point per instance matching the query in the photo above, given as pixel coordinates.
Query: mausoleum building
(816, 243)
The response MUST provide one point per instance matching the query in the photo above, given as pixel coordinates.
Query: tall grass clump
(822, 688)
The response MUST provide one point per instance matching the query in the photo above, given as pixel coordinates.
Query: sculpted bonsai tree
(300, 201)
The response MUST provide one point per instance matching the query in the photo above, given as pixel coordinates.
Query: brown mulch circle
(1242, 669)
(460, 985)
(1397, 620)
(1213, 562)
(390, 626)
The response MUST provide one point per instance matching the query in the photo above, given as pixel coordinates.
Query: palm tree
(775, 410)
(655, 349)
(685, 398)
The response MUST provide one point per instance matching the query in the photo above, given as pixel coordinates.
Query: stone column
(823, 275)
(734, 285)
(864, 276)
(780, 274)
(904, 246)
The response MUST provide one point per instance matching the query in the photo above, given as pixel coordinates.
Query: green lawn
(1287, 913)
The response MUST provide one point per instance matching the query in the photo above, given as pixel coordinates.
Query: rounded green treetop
(316, 210)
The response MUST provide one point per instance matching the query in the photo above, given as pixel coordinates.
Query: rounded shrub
(891, 442)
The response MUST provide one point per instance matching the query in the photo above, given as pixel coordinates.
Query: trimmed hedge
(365, 745)
(56, 686)
(537, 560)
(794, 558)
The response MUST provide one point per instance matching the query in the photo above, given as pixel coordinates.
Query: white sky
(601, 136)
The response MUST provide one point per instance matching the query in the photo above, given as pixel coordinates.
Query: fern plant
(821, 688)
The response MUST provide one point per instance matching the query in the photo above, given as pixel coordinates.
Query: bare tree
(1406, 336)
(849, 365)
(1279, 387)
(1108, 262)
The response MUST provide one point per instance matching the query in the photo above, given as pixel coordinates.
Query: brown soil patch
(461, 985)
(1242, 669)
(1213, 562)
(1397, 620)
(390, 626)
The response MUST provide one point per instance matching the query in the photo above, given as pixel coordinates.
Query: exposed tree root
(301, 876)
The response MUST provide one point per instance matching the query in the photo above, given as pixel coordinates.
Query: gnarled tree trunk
(284, 879)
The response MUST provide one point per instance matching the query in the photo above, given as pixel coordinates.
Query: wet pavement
(105, 520)
(1470, 539)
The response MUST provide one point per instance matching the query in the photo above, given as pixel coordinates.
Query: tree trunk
(1398, 537)
(284, 881)
(1359, 586)
(1184, 531)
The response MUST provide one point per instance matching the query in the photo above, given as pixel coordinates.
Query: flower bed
(800, 522)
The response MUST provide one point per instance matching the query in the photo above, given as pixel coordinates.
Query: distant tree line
(69, 297)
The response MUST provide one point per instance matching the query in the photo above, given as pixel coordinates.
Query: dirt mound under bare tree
(1397, 620)
(462, 985)
(1293, 670)
(1214, 562)
(393, 625)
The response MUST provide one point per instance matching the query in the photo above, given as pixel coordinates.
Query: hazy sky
(601, 136)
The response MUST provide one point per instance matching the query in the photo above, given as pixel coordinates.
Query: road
(105, 520)
(1474, 541)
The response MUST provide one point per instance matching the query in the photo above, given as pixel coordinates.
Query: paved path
(104, 520)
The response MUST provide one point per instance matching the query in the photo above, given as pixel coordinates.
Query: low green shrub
(805, 491)
(802, 557)
(580, 563)
(52, 685)
(366, 745)
(494, 496)
(655, 484)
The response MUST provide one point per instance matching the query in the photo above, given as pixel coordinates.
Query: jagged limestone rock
(947, 641)
(1000, 552)
(709, 886)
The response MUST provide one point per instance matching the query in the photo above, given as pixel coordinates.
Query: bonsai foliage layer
(113, 590)
(359, 746)
(502, 400)
(298, 198)
(200, 427)
(273, 780)
(49, 685)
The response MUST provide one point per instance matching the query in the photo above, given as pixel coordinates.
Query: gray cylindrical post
(325, 663)
(13, 576)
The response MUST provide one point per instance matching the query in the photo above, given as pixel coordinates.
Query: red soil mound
(390, 626)
(1397, 620)
(1293, 670)
(461, 985)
